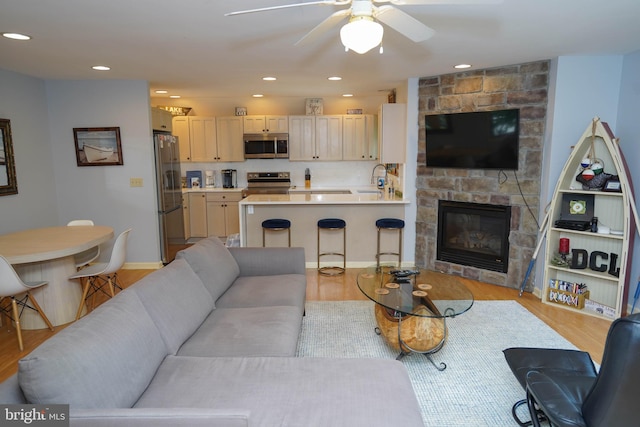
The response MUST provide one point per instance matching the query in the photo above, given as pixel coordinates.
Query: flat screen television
(477, 140)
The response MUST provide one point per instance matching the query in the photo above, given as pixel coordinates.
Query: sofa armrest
(269, 261)
(159, 417)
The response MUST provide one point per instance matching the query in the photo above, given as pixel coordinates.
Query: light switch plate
(135, 182)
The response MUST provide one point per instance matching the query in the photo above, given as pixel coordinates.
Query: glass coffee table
(412, 306)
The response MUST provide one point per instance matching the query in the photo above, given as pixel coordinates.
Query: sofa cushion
(213, 264)
(242, 332)
(290, 391)
(264, 291)
(104, 360)
(176, 300)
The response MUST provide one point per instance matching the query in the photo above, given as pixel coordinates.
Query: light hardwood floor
(585, 332)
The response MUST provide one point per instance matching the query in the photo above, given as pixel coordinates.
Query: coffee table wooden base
(412, 334)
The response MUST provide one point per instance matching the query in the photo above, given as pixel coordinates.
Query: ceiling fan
(362, 33)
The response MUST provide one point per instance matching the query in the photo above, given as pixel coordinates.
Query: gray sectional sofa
(209, 340)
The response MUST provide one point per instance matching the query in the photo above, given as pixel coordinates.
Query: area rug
(476, 389)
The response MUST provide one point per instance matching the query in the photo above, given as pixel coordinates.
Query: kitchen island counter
(356, 198)
(360, 211)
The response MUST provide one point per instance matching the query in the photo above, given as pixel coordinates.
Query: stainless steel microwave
(266, 146)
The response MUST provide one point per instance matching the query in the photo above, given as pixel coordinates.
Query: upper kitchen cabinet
(329, 137)
(180, 128)
(315, 138)
(200, 140)
(302, 137)
(263, 124)
(161, 120)
(359, 137)
(392, 133)
(229, 138)
(202, 132)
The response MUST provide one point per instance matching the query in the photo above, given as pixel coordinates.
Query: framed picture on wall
(98, 146)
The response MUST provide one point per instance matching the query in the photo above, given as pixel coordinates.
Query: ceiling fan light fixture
(361, 34)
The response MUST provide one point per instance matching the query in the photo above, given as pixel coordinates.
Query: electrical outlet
(135, 182)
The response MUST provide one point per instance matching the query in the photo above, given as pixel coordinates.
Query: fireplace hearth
(474, 234)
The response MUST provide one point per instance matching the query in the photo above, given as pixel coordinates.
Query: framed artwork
(8, 180)
(98, 146)
(314, 106)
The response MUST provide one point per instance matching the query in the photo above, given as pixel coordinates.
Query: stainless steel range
(267, 183)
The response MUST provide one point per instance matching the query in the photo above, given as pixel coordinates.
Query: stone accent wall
(521, 86)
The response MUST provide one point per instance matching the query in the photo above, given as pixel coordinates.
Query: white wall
(23, 101)
(628, 130)
(102, 193)
(582, 87)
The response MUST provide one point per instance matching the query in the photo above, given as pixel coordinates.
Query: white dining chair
(11, 286)
(103, 274)
(86, 257)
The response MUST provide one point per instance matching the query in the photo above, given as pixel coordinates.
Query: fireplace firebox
(474, 234)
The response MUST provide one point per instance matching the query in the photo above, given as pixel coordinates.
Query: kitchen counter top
(211, 190)
(357, 198)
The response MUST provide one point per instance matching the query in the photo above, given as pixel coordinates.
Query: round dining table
(47, 254)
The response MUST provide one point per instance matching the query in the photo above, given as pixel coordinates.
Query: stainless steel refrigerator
(169, 190)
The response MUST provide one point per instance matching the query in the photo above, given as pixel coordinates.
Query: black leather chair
(563, 387)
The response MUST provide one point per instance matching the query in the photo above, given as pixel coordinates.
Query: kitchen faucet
(374, 171)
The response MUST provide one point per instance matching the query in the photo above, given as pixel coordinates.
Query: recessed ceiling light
(174, 96)
(16, 36)
(101, 68)
(347, 95)
(269, 79)
(257, 95)
(162, 91)
(462, 66)
(334, 78)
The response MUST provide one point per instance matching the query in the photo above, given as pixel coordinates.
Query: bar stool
(276, 224)
(390, 224)
(333, 224)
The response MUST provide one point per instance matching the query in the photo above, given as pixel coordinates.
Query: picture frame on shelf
(314, 106)
(98, 146)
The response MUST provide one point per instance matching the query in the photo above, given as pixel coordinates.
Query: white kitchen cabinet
(302, 137)
(186, 217)
(329, 137)
(198, 214)
(315, 138)
(263, 124)
(161, 120)
(180, 128)
(359, 137)
(392, 133)
(223, 217)
(229, 139)
(201, 141)
(202, 132)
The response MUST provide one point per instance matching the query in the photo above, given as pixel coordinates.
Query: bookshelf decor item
(589, 238)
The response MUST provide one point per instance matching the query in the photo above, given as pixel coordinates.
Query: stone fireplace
(474, 234)
(522, 86)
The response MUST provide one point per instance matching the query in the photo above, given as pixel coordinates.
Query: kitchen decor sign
(176, 111)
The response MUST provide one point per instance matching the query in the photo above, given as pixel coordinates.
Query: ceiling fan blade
(403, 23)
(285, 6)
(324, 26)
(440, 2)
